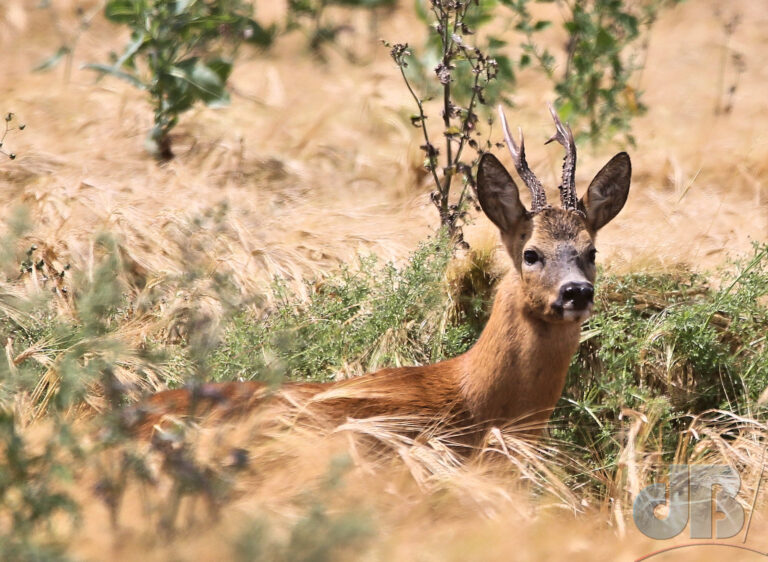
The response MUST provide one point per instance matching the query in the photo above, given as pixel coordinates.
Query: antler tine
(538, 197)
(564, 136)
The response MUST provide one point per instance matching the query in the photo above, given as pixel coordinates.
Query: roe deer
(517, 368)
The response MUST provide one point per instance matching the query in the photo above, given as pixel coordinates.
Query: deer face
(556, 262)
(553, 250)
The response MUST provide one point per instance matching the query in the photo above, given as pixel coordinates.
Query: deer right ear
(498, 195)
(608, 192)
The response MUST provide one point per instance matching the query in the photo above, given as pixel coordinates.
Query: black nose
(578, 295)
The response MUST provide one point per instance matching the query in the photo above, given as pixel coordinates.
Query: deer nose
(577, 295)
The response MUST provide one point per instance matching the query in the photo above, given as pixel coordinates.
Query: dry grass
(419, 500)
(316, 163)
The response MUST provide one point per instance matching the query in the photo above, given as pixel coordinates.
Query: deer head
(552, 249)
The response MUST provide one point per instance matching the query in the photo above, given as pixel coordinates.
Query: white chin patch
(570, 315)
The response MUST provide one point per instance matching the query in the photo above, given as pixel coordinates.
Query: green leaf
(256, 34)
(117, 73)
(132, 48)
(421, 10)
(505, 68)
(630, 23)
(122, 11)
(604, 41)
(180, 6)
(222, 68)
(53, 60)
(541, 25)
(495, 42)
(207, 84)
(565, 111)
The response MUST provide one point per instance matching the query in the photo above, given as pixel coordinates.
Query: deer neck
(517, 368)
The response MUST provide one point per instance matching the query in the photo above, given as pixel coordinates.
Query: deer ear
(608, 192)
(498, 195)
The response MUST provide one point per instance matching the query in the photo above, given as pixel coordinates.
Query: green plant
(69, 349)
(33, 476)
(31, 492)
(458, 58)
(601, 59)
(181, 52)
(476, 23)
(595, 83)
(671, 344)
(360, 319)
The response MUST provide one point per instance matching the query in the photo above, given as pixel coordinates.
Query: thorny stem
(8, 118)
(472, 101)
(442, 17)
(449, 27)
(451, 161)
(422, 120)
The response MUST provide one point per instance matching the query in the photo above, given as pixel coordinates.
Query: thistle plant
(459, 60)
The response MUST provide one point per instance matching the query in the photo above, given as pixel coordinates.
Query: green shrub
(669, 342)
(51, 362)
(366, 317)
(596, 83)
(181, 52)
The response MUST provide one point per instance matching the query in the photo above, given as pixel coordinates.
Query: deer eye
(530, 257)
(591, 255)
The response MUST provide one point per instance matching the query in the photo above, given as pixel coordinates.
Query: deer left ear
(498, 195)
(608, 192)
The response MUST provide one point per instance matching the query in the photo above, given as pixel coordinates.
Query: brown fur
(517, 368)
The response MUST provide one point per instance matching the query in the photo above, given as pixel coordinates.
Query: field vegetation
(305, 212)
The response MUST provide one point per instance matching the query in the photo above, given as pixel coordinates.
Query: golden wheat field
(316, 162)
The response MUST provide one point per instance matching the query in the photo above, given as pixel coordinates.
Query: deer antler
(538, 197)
(564, 136)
